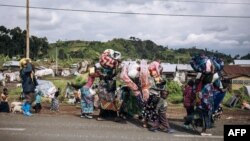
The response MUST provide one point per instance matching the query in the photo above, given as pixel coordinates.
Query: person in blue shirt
(38, 100)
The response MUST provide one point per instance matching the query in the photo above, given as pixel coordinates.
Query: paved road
(16, 127)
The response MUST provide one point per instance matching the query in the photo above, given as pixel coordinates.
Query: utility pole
(56, 61)
(27, 30)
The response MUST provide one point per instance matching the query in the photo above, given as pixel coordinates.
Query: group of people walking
(144, 82)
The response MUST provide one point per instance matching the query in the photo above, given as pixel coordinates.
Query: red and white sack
(109, 58)
(145, 84)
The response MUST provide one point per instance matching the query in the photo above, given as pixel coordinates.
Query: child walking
(38, 100)
(55, 101)
(161, 110)
(189, 97)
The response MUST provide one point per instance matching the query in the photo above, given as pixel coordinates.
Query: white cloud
(246, 43)
(223, 34)
(216, 28)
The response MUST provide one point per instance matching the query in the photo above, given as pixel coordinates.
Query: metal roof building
(242, 62)
(168, 68)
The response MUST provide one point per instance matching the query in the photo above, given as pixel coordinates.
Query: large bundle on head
(155, 70)
(133, 70)
(109, 59)
(218, 63)
(80, 80)
(198, 63)
(205, 65)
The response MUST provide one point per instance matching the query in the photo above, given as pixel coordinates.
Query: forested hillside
(12, 43)
(132, 48)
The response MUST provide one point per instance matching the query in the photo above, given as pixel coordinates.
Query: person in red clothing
(189, 97)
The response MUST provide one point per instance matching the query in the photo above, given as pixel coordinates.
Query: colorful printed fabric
(206, 98)
(86, 96)
(148, 111)
(218, 98)
(107, 90)
(204, 64)
(86, 107)
(108, 105)
(87, 100)
(90, 81)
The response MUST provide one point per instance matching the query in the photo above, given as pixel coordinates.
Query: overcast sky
(227, 35)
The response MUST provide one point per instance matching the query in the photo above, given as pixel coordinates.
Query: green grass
(14, 94)
(61, 83)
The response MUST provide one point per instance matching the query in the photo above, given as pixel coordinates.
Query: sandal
(145, 126)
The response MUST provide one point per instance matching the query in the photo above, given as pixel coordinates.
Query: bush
(226, 98)
(242, 95)
(175, 92)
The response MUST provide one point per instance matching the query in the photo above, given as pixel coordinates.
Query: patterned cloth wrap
(107, 95)
(206, 99)
(87, 100)
(149, 110)
(109, 59)
(218, 98)
(54, 104)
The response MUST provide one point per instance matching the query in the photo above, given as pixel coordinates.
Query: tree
(13, 43)
(237, 56)
(246, 56)
(62, 55)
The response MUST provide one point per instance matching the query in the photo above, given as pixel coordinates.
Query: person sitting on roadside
(4, 106)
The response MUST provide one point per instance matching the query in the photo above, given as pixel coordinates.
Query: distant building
(11, 66)
(238, 75)
(242, 62)
(182, 72)
(168, 71)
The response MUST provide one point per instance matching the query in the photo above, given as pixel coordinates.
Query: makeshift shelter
(247, 90)
(47, 88)
(44, 72)
(2, 79)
